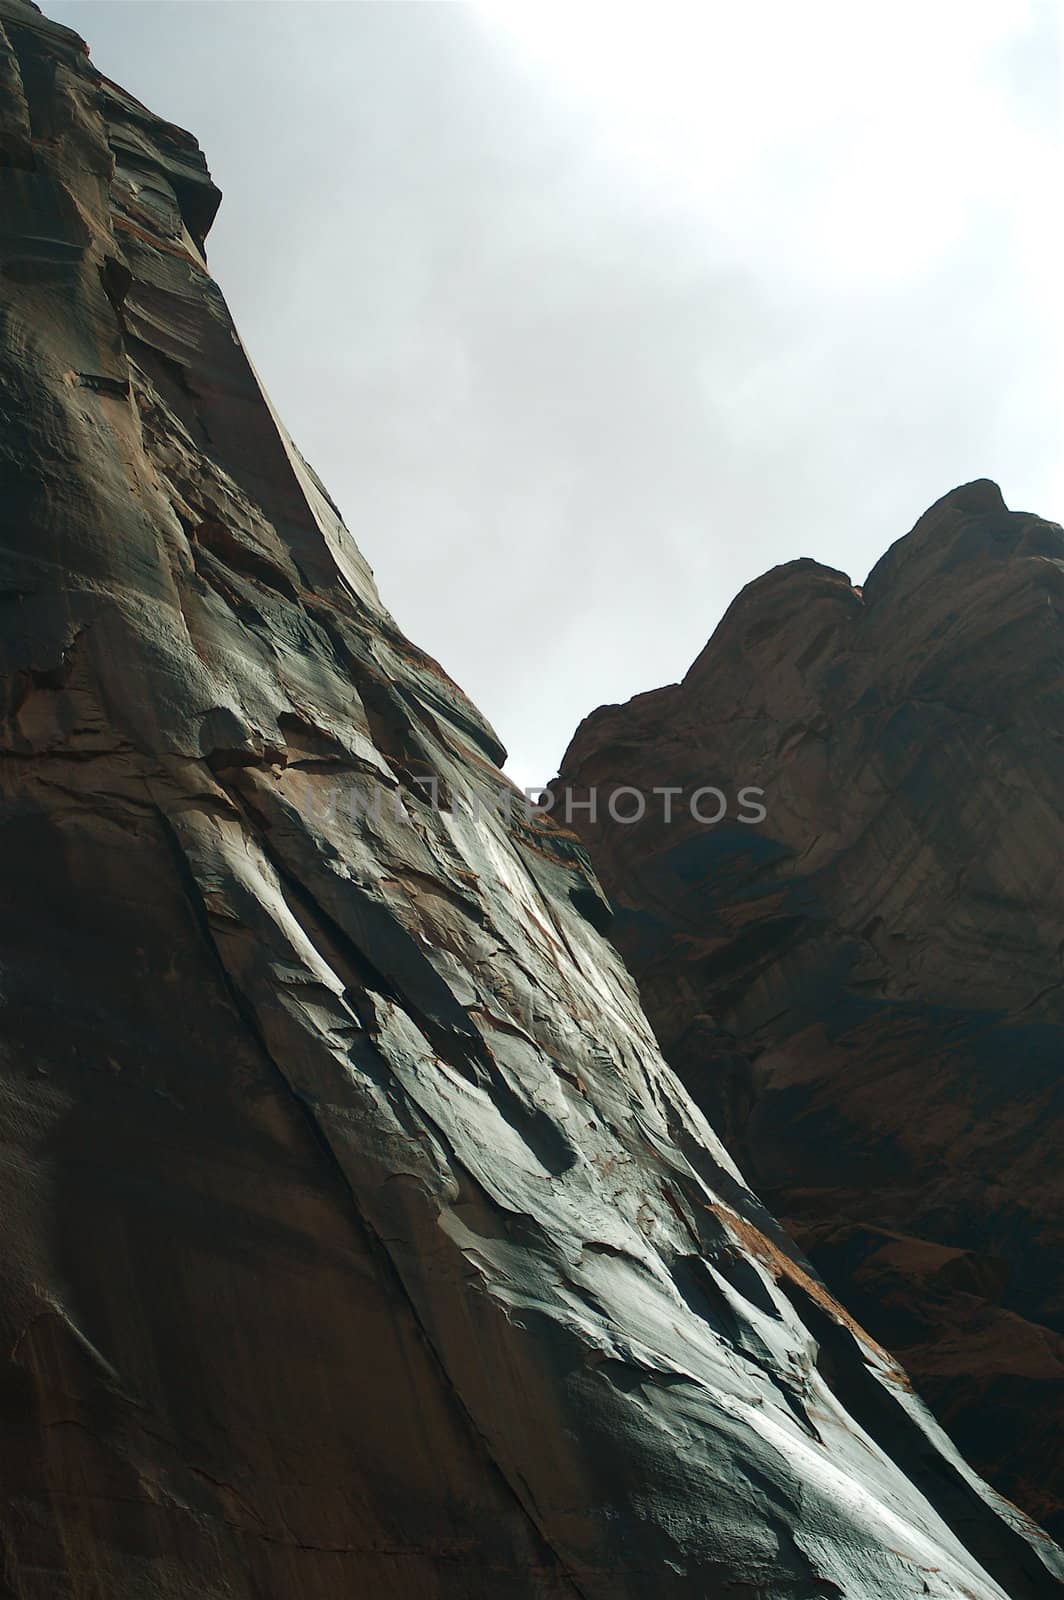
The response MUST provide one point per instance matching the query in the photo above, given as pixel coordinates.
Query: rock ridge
(865, 992)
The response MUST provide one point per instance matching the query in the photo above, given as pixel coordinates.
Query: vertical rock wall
(357, 1238)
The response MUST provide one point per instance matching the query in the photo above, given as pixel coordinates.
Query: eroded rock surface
(864, 991)
(358, 1239)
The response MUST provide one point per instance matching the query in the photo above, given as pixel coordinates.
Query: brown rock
(864, 991)
(358, 1239)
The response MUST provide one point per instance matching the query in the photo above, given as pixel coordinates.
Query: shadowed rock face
(358, 1239)
(864, 991)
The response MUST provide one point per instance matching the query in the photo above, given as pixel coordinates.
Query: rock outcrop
(864, 990)
(358, 1239)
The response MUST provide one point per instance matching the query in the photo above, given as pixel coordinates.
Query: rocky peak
(864, 990)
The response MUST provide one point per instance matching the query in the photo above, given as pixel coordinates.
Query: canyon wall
(864, 990)
(358, 1240)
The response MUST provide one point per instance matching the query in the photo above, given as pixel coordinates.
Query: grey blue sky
(588, 314)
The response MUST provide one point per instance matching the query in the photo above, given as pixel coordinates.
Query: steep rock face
(864, 990)
(358, 1240)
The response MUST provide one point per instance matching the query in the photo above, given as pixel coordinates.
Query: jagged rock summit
(864, 991)
(358, 1239)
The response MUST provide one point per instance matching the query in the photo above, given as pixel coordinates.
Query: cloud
(588, 316)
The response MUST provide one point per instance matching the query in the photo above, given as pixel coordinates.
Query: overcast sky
(589, 314)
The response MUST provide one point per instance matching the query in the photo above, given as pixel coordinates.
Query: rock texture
(358, 1240)
(864, 991)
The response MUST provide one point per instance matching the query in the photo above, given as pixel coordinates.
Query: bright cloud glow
(865, 137)
(589, 313)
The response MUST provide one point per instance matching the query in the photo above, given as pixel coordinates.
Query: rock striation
(358, 1240)
(864, 990)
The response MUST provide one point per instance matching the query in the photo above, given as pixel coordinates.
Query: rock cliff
(864, 990)
(357, 1238)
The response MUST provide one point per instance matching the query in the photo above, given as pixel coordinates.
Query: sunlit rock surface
(358, 1240)
(864, 991)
